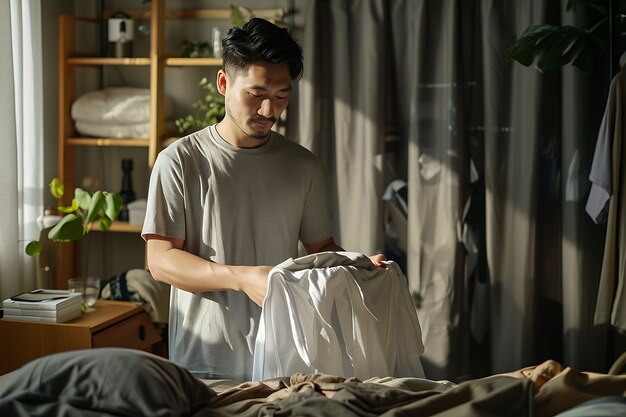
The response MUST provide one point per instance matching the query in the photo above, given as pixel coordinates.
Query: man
(230, 201)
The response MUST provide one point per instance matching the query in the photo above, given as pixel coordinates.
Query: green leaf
(69, 209)
(555, 49)
(114, 205)
(105, 223)
(201, 117)
(68, 229)
(585, 60)
(554, 46)
(97, 204)
(33, 248)
(523, 49)
(56, 188)
(83, 198)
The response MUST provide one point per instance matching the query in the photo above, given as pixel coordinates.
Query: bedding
(107, 130)
(115, 112)
(115, 105)
(124, 382)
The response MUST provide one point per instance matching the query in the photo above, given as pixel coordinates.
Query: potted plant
(85, 210)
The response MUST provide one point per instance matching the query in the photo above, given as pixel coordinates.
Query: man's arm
(170, 263)
(330, 245)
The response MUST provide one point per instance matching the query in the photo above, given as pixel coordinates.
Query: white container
(121, 29)
(137, 212)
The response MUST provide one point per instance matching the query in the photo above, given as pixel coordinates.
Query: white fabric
(336, 313)
(106, 130)
(574, 183)
(600, 175)
(21, 123)
(611, 300)
(115, 105)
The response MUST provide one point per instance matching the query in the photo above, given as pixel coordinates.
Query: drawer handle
(142, 332)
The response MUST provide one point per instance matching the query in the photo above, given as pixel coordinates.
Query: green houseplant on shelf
(86, 209)
(207, 111)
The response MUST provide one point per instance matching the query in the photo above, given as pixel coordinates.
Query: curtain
(521, 155)
(343, 118)
(502, 261)
(21, 122)
(430, 116)
(584, 345)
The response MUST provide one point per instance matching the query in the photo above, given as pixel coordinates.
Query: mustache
(263, 119)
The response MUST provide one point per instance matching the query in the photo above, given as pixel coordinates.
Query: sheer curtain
(342, 111)
(430, 121)
(21, 159)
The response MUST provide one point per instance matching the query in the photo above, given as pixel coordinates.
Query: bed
(124, 382)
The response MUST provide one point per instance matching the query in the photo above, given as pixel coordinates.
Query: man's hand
(255, 284)
(378, 259)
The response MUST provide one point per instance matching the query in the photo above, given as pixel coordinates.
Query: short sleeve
(165, 209)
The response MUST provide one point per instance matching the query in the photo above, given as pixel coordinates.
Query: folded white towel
(115, 105)
(106, 130)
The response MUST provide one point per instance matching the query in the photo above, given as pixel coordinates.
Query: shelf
(118, 226)
(94, 60)
(212, 14)
(182, 62)
(140, 143)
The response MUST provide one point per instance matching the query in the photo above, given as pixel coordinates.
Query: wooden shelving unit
(69, 59)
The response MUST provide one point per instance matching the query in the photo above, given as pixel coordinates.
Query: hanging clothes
(607, 202)
(336, 313)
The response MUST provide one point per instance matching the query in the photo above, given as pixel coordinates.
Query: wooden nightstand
(112, 324)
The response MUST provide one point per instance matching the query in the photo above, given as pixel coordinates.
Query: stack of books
(56, 306)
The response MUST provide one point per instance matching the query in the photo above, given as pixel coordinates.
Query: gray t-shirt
(236, 207)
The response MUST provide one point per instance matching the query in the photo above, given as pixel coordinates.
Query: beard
(246, 131)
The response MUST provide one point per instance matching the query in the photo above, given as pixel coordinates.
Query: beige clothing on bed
(543, 390)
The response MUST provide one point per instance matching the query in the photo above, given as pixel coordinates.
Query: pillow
(103, 381)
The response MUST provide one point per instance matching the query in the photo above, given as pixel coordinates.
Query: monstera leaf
(554, 46)
(549, 46)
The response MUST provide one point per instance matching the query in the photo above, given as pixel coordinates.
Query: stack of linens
(114, 112)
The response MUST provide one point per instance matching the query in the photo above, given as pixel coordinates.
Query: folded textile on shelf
(104, 130)
(115, 105)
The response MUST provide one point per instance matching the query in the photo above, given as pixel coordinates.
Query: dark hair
(260, 40)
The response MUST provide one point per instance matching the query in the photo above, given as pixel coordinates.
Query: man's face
(255, 100)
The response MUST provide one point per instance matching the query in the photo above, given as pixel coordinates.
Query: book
(38, 313)
(42, 299)
(62, 316)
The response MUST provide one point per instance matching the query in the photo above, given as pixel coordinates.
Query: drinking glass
(89, 287)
